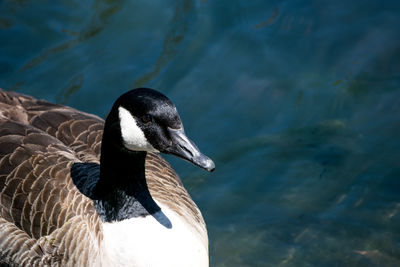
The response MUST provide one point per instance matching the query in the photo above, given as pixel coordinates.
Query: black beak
(184, 148)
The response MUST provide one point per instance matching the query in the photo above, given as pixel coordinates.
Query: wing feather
(39, 203)
(38, 200)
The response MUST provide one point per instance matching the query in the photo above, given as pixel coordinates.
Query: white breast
(145, 241)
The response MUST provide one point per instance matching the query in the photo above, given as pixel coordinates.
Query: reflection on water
(103, 10)
(270, 20)
(5, 23)
(173, 39)
(298, 103)
(74, 85)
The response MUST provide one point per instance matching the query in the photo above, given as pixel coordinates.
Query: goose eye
(146, 118)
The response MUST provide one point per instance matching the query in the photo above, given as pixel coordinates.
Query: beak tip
(184, 148)
(209, 165)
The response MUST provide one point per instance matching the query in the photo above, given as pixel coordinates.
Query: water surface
(298, 103)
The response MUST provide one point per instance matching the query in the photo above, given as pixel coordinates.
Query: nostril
(186, 150)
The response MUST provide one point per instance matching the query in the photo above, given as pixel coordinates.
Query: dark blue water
(298, 103)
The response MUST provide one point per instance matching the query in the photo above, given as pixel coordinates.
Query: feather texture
(44, 218)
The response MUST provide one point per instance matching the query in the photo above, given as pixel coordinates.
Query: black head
(149, 121)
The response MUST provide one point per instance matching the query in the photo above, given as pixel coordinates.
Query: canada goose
(63, 203)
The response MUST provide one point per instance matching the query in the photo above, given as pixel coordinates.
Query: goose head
(147, 120)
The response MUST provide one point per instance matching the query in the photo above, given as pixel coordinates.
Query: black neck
(121, 192)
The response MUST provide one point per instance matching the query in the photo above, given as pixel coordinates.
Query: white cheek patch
(132, 136)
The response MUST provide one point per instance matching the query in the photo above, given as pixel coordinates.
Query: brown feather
(43, 216)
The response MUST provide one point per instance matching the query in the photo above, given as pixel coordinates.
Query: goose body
(78, 191)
